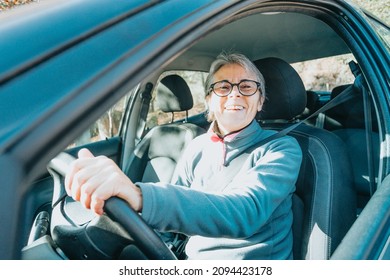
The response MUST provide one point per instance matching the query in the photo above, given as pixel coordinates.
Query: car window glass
(327, 78)
(325, 73)
(382, 31)
(195, 80)
(107, 126)
(378, 10)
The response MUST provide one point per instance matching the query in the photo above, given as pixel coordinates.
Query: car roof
(293, 37)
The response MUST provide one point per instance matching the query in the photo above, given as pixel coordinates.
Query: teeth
(234, 107)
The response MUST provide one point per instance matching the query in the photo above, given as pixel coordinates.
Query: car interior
(340, 146)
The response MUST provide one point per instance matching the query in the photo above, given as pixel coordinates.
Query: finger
(97, 206)
(85, 153)
(80, 178)
(85, 196)
(87, 189)
(97, 202)
(101, 194)
(74, 168)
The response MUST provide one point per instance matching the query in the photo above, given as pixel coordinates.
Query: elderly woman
(227, 212)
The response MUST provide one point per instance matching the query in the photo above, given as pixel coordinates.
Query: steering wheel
(118, 210)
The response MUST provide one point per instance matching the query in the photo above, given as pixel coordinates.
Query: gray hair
(233, 58)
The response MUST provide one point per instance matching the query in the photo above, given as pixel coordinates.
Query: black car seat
(324, 204)
(347, 120)
(155, 157)
(349, 114)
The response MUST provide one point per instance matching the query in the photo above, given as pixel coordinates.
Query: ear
(260, 104)
(210, 109)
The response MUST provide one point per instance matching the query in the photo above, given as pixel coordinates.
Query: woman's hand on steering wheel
(116, 202)
(92, 180)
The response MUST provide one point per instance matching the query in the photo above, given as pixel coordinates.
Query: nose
(235, 92)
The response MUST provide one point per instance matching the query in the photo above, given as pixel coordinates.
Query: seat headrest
(285, 91)
(174, 95)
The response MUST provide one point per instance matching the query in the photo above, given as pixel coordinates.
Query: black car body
(65, 63)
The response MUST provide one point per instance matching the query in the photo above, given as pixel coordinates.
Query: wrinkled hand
(92, 180)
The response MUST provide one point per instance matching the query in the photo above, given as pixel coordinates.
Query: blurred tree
(379, 8)
(7, 4)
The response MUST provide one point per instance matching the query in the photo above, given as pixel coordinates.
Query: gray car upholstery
(157, 154)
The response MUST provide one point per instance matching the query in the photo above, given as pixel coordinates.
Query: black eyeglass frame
(235, 84)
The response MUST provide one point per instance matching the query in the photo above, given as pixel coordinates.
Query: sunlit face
(235, 111)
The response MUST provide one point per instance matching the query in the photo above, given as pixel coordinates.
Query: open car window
(325, 73)
(195, 81)
(107, 126)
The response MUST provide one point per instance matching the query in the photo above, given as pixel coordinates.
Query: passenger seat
(155, 157)
(324, 204)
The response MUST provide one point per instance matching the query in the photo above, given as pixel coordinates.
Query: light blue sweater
(250, 218)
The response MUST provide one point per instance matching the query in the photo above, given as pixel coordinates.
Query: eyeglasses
(245, 87)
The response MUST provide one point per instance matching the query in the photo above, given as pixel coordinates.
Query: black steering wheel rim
(119, 211)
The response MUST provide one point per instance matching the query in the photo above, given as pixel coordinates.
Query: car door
(53, 90)
(104, 137)
(374, 223)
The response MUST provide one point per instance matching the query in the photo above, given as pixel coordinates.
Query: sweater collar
(216, 136)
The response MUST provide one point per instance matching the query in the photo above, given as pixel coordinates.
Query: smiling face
(235, 111)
